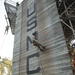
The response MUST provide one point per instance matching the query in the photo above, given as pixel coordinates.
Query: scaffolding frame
(66, 10)
(67, 13)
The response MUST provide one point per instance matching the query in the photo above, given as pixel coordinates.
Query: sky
(6, 41)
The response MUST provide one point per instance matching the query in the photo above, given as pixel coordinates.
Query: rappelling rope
(2, 42)
(5, 35)
(39, 61)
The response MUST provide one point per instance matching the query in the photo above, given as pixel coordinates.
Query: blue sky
(6, 41)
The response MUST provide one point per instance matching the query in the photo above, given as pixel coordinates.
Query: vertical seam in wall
(20, 37)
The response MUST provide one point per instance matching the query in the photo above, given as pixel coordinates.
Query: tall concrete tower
(40, 16)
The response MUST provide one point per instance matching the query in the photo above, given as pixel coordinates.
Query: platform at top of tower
(11, 10)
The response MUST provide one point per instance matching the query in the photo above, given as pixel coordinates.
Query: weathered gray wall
(17, 48)
(44, 18)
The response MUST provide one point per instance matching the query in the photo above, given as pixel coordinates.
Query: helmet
(72, 43)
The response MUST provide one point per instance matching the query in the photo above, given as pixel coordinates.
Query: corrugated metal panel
(55, 59)
(16, 52)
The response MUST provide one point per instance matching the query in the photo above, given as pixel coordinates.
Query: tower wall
(40, 16)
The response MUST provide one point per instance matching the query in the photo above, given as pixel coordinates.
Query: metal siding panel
(51, 35)
(55, 59)
(16, 52)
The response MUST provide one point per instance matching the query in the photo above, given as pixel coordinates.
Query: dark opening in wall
(66, 10)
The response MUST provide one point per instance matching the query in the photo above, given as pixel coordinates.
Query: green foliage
(5, 64)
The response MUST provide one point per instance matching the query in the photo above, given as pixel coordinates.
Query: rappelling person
(35, 42)
(6, 29)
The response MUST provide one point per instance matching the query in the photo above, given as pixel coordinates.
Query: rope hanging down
(2, 43)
